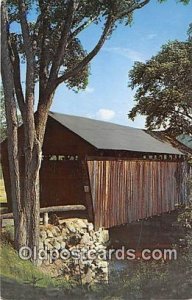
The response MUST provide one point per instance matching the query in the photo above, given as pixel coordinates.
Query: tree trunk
(31, 195)
(25, 184)
(11, 117)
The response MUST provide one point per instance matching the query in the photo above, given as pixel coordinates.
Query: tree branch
(81, 28)
(29, 122)
(17, 78)
(28, 50)
(136, 6)
(62, 43)
(108, 26)
(43, 56)
(185, 114)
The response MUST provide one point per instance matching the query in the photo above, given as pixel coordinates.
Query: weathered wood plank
(51, 209)
(62, 208)
(87, 191)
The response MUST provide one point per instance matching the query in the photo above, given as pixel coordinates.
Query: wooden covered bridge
(121, 174)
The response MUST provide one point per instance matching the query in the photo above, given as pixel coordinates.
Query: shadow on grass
(12, 290)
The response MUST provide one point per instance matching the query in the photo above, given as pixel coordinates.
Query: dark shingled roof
(109, 136)
(182, 145)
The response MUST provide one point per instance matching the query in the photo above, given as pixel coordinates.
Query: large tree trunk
(13, 154)
(25, 186)
(31, 195)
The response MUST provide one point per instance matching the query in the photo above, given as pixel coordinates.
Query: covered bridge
(121, 174)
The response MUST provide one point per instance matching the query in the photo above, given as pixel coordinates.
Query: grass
(22, 280)
(21, 271)
(3, 197)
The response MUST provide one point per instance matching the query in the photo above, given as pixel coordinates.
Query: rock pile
(75, 250)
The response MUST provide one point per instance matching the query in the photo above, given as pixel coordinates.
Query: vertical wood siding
(125, 191)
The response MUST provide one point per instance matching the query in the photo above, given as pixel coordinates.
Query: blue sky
(107, 96)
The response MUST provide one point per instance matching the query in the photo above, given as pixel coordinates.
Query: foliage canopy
(55, 28)
(164, 88)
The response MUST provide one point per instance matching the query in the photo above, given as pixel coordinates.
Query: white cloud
(131, 54)
(105, 114)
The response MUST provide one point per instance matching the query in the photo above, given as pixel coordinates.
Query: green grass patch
(3, 197)
(22, 271)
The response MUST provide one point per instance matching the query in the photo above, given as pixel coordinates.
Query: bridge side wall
(127, 190)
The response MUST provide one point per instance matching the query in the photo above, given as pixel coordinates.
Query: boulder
(49, 233)
(76, 234)
(88, 277)
(65, 232)
(55, 231)
(86, 239)
(81, 223)
(72, 228)
(104, 236)
(59, 238)
(41, 245)
(43, 235)
(63, 245)
(56, 245)
(49, 246)
(101, 264)
(90, 227)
